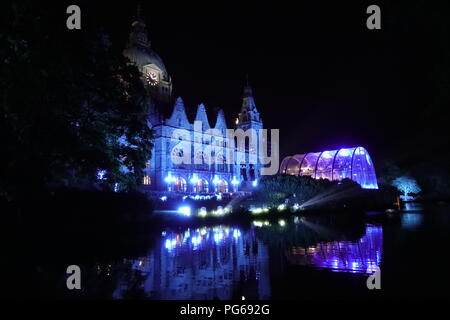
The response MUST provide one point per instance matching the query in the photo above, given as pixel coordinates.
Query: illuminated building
(351, 163)
(167, 115)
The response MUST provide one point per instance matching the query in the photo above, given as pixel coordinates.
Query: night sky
(318, 74)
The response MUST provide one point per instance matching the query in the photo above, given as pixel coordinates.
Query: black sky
(318, 74)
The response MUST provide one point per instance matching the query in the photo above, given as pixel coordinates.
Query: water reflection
(413, 206)
(411, 220)
(227, 262)
(206, 263)
(412, 217)
(362, 256)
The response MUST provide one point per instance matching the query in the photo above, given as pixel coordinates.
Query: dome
(143, 56)
(139, 50)
(351, 163)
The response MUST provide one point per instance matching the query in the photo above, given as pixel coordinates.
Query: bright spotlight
(186, 211)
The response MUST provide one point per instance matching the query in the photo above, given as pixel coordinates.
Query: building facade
(207, 171)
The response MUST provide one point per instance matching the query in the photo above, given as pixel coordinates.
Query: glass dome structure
(352, 163)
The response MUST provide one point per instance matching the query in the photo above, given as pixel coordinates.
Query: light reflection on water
(411, 220)
(412, 216)
(362, 256)
(205, 263)
(227, 262)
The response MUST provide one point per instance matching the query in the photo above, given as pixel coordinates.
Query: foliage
(407, 185)
(67, 98)
(272, 189)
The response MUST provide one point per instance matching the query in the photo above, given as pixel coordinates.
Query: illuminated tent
(352, 163)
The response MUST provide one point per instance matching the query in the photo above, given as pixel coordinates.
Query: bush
(317, 193)
(302, 188)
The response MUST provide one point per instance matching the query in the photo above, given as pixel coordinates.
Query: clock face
(151, 78)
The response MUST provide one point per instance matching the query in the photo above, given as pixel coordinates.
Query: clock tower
(149, 63)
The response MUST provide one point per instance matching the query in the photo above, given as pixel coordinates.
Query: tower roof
(248, 102)
(247, 89)
(139, 49)
(248, 109)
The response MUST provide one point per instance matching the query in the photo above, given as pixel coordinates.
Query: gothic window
(203, 185)
(180, 185)
(223, 186)
(243, 173)
(252, 172)
(177, 153)
(200, 161)
(221, 166)
(147, 180)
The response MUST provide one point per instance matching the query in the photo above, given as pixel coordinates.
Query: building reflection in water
(361, 256)
(227, 263)
(207, 263)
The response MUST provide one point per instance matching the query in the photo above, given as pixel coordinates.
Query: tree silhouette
(68, 101)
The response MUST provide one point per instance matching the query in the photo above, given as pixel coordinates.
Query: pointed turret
(138, 35)
(202, 116)
(248, 102)
(221, 123)
(248, 113)
(178, 117)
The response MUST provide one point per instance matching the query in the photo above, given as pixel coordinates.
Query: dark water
(319, 256)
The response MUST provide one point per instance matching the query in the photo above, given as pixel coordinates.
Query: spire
(138, 35)
(221, 123)
(202, 116)
(248, 109)
(247, 89)
(138, 10)
(248, 103)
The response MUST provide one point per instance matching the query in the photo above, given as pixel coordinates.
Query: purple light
(345, 256)
(328, 154)
(352, 163)
(345, 152)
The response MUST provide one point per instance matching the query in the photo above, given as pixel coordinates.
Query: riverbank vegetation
(307, 193)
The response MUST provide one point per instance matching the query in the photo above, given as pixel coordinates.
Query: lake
(312, 256)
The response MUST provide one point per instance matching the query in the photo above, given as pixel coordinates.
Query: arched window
(223, 186)
(147, 180)
(203, 186)
(179, 184)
